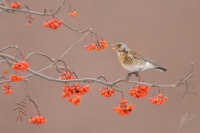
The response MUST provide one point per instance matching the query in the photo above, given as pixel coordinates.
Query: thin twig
(37, 53)
(8, 47)
(73, 45)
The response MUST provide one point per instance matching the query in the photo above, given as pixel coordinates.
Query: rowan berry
(23, 66)
(38, 120)
(7, 90)
(158, 100)
(66, 76)
(106, 92)
(76, 99)
(53, 23)
(15, 78)
(73, 14)
(123, 109)
(74, 92)
(45, 24)
(160, 95)
(100, 46)
(103, 42)
(139, 91)
(15, 5)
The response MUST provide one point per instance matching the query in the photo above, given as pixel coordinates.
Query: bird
(133, 61)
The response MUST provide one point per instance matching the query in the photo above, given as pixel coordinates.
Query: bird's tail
(162, 69)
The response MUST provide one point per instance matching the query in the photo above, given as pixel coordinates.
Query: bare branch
(37, 53)
(64, 54)
(2, 61)
(73, 45)
(8, 47)
(7, 9)
(111, 84)
(27, 11)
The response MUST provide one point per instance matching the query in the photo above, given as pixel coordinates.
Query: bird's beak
(114, 47)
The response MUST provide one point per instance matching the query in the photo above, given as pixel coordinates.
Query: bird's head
(120, 47)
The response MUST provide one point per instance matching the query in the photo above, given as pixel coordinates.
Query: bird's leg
(137, 75)
(129, 75)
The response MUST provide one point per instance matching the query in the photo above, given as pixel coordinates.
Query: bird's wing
(135, 55)
(139, 56)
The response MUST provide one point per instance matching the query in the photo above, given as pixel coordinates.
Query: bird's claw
(135, 73)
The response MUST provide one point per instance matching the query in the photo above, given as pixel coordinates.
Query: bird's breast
(130, 63)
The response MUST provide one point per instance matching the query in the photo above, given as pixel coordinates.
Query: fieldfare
(133, 61)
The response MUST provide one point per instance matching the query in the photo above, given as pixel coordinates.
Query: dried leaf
(24, 113)
(17, 103)
(22, 110)
(24, 106)
(15, 109)
(19, 117)
(23, 102)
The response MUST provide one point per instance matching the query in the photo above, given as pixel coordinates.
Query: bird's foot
(129, 75)
(136, 74)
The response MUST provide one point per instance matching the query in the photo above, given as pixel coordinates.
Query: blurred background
(167, 32)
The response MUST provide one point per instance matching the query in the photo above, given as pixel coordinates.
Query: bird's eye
(119, 45)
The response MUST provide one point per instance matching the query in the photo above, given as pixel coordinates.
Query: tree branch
(111, 84)
(7, 9)
(27, 11)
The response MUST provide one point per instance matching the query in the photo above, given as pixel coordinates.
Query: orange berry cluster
(73, 14)
(100, 46)
(38, 120)
(53, 23)
(106, 92)
(66, 76)
(7, 89)
(15, 78)
(139, 92)
(158, 100)
(122, 109)
(73, 92)
(75, 100)
(15, 5)
(23, 66)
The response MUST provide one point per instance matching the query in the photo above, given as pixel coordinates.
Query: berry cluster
(15, 5)
(106, 92)
(66, 76)
(23, 66)
(122, 109)
(73, 92)
(7, 89)
(101, 45)
(38, 120)
(15, 78)
(139, 92)
(53, 23)
(73, 14)
(75, 100)
(158, 100)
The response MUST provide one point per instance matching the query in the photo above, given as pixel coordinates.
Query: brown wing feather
(135, 55)
(140, 57)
